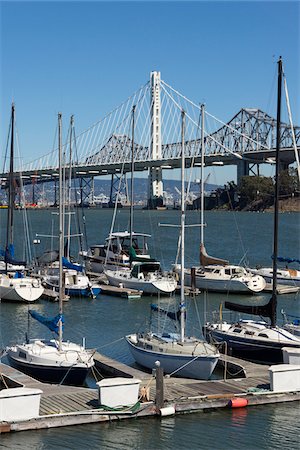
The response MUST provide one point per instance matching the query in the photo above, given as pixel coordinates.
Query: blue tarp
(51, 322)
(69, 265)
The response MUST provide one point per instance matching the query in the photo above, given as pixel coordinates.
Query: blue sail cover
(8, 256)
(51, 322)
(287, 260)
(69, 265)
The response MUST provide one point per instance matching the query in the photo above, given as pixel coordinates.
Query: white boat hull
(159, 286)
(42, 360)
(20, 289)
(208, 281)
(283, 276)
(187, 366)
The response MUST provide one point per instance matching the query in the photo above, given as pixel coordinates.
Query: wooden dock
(120, 291)
(66, 405)
(282, 289)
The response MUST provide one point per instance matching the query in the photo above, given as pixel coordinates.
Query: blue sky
(85, 58)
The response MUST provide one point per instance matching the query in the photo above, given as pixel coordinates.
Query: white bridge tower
(155, 195)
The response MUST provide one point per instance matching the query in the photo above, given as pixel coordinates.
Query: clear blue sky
(85, 58)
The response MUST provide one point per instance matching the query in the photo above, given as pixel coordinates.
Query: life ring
(35, 283)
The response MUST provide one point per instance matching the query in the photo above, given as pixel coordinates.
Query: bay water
(246, 237)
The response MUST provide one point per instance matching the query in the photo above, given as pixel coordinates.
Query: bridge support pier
(155, 183)
(242, 168)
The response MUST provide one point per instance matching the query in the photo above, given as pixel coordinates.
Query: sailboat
(144, 274)
(216, 274)
(14, 285)
(55, 360)
(184, 356)
(250, 339)
(76, 282)
(115, 252)
(287, 276)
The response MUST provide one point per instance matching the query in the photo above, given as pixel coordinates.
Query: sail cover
(287, 260)
(69, 265)
(8, 256)
(206, 260)
(257, 310)
(50, 322)
(171, 315)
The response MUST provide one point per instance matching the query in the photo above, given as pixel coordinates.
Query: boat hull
(200, 368)
(233, 286)
(73, 376)
(164, 287)
(283, 276)
(252, 349)
(20, 290)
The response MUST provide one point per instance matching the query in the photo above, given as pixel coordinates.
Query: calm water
(105, 320)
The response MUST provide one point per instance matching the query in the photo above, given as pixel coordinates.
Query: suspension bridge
(107, 148)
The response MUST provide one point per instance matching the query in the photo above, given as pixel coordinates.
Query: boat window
(101, 252)
(228, 271)
(263, 335)
(251, 333)
(237, 330)
(22, 355)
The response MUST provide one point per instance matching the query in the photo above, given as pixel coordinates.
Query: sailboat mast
(61, 230)
(182, 303)
(69, 189)
(202, 177)
(276, 196)
(131, 180)
(11, 196)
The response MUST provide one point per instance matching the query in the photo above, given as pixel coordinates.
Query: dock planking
(68, 405)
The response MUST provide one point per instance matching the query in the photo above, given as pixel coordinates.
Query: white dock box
(19, 404)
(291, 355)
(285, 377)
(118, 391)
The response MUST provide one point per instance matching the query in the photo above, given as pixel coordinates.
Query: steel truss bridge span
(250, 136)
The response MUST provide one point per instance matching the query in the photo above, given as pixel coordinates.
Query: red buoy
(238, 402)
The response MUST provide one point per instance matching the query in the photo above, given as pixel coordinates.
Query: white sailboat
(76, 281)
(55, 360)
(215, 274)
(14, 285)
(250, 339)
(178, 354)
(288, 276)
(145, 273)
(143, 276)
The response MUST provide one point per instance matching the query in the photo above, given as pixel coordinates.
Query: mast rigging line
(291, 122)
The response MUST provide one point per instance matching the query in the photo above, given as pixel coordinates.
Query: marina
(150, 271)
(80, 406)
